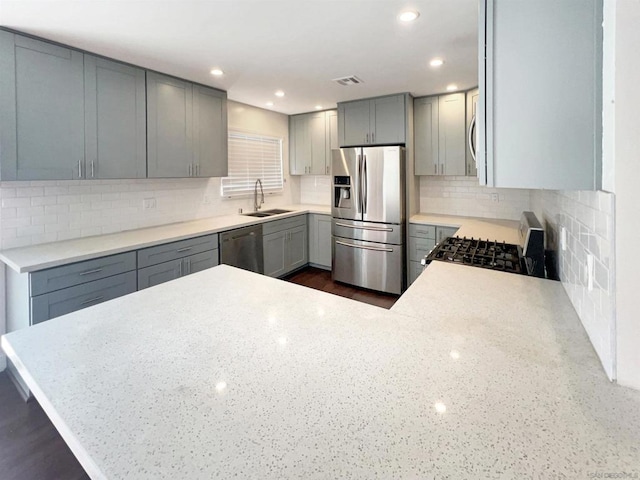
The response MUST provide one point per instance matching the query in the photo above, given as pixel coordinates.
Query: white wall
(588, 218)
(627, 190)
(38, 212)
(463, 196)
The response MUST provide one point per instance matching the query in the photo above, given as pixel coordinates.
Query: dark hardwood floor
(321, 280)
(30, 446)
(32, 449)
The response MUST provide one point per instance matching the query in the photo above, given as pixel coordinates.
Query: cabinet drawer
(284, 224)
(52, 279)
(419, 247)
(174, 250)
(422, 231)
(67, 300)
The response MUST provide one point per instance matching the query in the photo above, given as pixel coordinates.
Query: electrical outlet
(590, 268)
(495, 198)
(149, 203)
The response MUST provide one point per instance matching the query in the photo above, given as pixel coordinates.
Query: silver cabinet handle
(92, 300)
(190, 169)
(373, 137)
(197, 170)
(185, 249)
(327, 168)
(79, 168)
(442, 169)
(180, 269)
(357, 227)
(435, 168)
(188, 261)
(89, 272)
(92, 170)
(377, 249)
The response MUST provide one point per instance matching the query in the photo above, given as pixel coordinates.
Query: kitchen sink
(267, 213)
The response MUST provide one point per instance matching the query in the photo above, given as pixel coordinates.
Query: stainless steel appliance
(368, 209)
(527, 258)
(242, 248)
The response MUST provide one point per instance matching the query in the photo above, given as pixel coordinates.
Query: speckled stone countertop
(252, 377)
(485, 228)
(38, 257)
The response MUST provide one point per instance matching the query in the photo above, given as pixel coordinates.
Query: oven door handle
(377, 249)
(375, 229)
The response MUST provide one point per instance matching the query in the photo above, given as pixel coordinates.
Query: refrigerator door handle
(358, 227)
(359, 185)
(365, 193)
(364, 247)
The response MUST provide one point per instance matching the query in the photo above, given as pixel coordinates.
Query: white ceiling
(298, 46)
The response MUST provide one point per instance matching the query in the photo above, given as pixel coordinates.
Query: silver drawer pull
(375, 229)
(185, 249)
(378, 249)
(92, 300)
(89, 272)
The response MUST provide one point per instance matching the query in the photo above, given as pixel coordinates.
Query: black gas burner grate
(478, 253)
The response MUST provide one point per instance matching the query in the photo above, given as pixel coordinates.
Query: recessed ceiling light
(318, 107)
(452, 88)
(408, 16)
(279, 93)
(269, 104)
(436, 62)
(217, 72)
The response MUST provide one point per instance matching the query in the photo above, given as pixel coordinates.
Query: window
(253, 157)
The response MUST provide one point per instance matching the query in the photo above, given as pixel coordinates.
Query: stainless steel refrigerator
(368, 209)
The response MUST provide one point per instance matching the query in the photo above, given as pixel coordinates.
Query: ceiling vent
(348, 81)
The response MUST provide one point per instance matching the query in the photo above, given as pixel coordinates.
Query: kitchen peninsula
(230, 373)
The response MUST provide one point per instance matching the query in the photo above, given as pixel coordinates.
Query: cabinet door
(331, 137)
(115, 120)
(353, 123)
(67, 300)
(444, 232)
(472, 103)
(160, 273)
(201, 261)
(320, 240)
(297, 248)
(451, 134)
(41, 110)
(388, 120)
(274, 248)
(209, 132)
(318, 136)
(425, 122)
(299, 145)
(169, 127)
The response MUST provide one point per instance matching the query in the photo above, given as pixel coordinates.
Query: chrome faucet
(256, 207)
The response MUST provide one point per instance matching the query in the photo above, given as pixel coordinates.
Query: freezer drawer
(368, 231)
(377, 266)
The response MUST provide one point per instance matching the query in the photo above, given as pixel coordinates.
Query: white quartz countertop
(485, 228)
(38, 257)
(473, 374)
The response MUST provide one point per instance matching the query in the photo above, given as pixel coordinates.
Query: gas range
(526, 259)
(478, 253)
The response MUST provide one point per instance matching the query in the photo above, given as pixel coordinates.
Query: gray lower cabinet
(320, 240)
(284, 244)
(169, 261)
(422, 239)
(115, 120)
(67, 300)
(444, 232)
(41, 110)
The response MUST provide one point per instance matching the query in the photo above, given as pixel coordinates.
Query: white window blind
(253, 157)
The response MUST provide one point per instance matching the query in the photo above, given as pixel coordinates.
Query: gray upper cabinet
(472, 104)
(41, 110)
(186, 129)
(540, 108)
(209, 132)
(376, 121)
(115, 120)
(440, 132)
(169, 126)
(311, 137)
(451, 134)
(425, 113)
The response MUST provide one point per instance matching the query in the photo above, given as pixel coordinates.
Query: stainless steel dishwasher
(242, 248)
